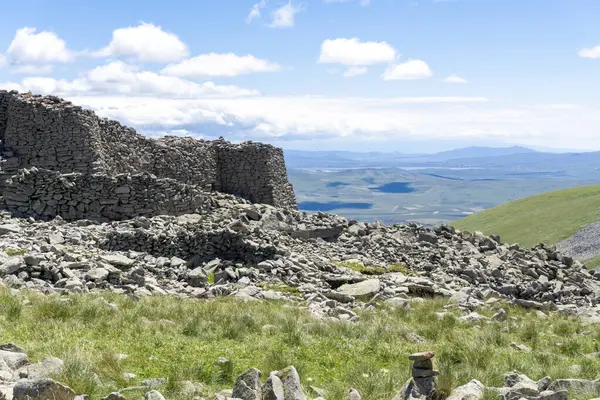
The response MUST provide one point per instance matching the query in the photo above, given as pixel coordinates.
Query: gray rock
(9, 228)
(42, 389)
(247, 386)
(471, 391)
(423, 356)
(96, 274)
(11, 265)
(117, 260)
(365, 289)
(273, 388)
(56, 238)
(550, 395)
(500, 315)
(197, 277)
(14, 360)
(291, 384)
(354, 395)
(44, 369)
(579, 385)
(154, 395)
(154, 382)
(12, 347)
(544, 383)
(114, 396)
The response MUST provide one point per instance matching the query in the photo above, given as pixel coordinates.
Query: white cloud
(214, 64)
(123, 79)
(362, 2)
(409, 70)
(31, 69)
(285, 16)
(355, 71)
(145, 42)
(353, 52)
(359, 119)
(255, 12)
(455, 79)
(29, 47)
(2, 60)
(591, 52)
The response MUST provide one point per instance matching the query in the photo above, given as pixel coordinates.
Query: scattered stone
(365, 289)
(14, 360)
(471, 391)
(42, 389)
(247, 386)
(154, 395)
(354, 395)
(292, 388)
(117, 260)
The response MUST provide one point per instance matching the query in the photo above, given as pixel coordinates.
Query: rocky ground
(240, 247)
(259, 252)
(584, 244)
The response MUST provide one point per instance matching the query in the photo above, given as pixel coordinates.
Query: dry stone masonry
(50, 134)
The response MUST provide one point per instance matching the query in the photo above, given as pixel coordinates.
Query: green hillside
(545, 218)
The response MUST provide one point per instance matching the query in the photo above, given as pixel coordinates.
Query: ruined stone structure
(51, 134)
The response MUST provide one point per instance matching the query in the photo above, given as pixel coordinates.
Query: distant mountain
(349, 159)
(477, 152)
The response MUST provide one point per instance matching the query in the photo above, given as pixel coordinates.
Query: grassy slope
(186, 337)
(548, 217)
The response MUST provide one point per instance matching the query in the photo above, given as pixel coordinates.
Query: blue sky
(402, 75)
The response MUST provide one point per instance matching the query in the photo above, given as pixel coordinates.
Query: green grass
(545, 218)
(211, 278)
(360, 267)
(280, 287)
(593, 262)
(15, 252)
(178, 339)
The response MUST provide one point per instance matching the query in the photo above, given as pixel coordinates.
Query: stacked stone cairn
(422, 384)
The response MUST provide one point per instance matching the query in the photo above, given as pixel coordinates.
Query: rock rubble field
(332, 266)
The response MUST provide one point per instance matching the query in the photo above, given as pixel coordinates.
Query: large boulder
(365, 289)
(273, 388)
(471, 391)
(247, 386)
(292, 389)
(42, 389)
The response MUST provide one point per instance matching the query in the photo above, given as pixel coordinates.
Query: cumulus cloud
(214, 64)
(285, 16)
(256, 12)
(409, 70)
(124, 79)
(353, 52)
(591, 52)
(355, 71)
(349, 119)
(455, 79)
(29, 47)
(147, 43)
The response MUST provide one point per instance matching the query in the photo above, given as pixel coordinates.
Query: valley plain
(431, 189)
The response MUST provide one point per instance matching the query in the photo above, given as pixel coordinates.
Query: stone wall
(50, 133)
(44, 194)
(254, 171)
